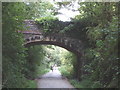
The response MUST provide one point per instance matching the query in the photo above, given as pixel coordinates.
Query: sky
(66, 14)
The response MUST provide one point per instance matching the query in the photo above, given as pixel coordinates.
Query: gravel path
(53, 80)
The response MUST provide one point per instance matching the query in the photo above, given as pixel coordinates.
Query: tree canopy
(97, 26)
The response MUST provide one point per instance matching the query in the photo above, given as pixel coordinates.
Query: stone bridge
(34, 36)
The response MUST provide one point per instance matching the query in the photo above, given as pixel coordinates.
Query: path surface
(53, 80)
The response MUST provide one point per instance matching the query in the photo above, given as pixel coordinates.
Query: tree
(13, 50)
(39, 9)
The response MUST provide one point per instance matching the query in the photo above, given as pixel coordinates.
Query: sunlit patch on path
(53, 80)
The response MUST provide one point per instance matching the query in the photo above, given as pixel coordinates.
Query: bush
(42, 71)
(76, 83)
(67, 72)
(96, 84)
(31, 84)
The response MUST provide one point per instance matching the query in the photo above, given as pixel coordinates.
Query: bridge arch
(34, 36)
(63, 45)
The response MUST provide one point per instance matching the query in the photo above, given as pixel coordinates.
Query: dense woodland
(96, 26)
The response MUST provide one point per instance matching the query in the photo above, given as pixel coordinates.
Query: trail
(53, 80)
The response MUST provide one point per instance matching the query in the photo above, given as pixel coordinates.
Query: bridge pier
(78, 66)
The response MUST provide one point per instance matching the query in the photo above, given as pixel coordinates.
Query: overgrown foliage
(96, 26)
(14, 63)
(68, 63)
(12, 48)
(34, 59)
(51, 25)
(39, 9)
(101, 56)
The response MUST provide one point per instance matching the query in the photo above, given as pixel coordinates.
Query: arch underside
(52, 43)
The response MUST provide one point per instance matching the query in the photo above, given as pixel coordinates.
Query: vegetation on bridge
(51, 25)
(96, 27)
